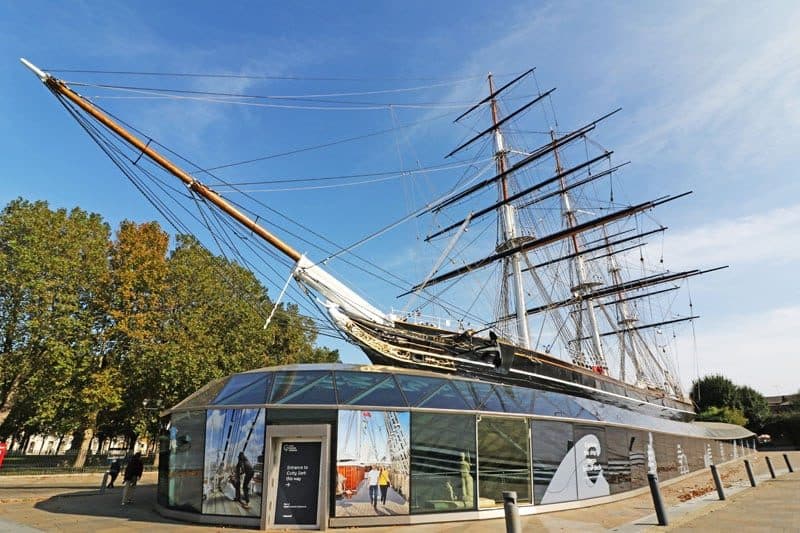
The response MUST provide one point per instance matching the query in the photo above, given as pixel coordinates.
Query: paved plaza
(72, 503)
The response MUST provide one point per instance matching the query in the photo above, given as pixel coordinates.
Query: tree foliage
(95, 332)
(717, 397)
(723, 414)
(713, 391)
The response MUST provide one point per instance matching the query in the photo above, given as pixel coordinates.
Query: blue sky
(709, 93)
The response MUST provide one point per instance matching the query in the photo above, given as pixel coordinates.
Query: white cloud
(767, 238)
(757, 349)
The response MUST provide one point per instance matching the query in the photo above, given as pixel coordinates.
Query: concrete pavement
(72, 503)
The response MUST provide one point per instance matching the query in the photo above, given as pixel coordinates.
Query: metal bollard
(750, 473)
(771, 470)
(788, 464)
(717, 482)
(658, 502)
(104, 482)
(513, 524)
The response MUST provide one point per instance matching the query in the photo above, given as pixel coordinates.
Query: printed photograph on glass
(372, 464)
(234, 462)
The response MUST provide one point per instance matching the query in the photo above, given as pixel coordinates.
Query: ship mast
(508, 230)
(584, 286)
(305, 271)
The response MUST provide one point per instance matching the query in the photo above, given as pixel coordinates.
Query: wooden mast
(59, 87)
(510, 233)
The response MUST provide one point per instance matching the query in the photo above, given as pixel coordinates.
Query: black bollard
(788, 464)
(658, 503)
(750, 473)
(513, 525)
(717, 482)
(771, 470)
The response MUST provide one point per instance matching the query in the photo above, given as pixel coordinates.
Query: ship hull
(427, 348)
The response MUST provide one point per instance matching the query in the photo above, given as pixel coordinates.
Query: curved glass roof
(341, 386)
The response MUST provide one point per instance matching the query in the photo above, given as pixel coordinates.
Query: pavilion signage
(298, 483)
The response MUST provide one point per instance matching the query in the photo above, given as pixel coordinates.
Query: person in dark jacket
(113, 472)
(244, 469)
(133, 472)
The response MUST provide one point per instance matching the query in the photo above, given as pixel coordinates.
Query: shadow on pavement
(108, 504)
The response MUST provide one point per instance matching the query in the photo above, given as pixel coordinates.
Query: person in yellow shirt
(383, 483)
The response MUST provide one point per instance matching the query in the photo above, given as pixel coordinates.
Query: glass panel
(372, 463)
(418, 388)
(503, 460)
(234, 462)
(555, 404)
(682, 452)
(303, 387)
(442, 462)
(446, 397)
(618, 473)
(245, 389)
(637, 451)
(591, 462)
(553, 462)
(666, 456)
(186, 445)
(205, 395)
(515, 399)
(363, 388)
(474, 393)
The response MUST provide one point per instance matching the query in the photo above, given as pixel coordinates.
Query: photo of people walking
(233, 462)
(372, 463)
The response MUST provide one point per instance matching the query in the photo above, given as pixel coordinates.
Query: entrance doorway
(296, 471)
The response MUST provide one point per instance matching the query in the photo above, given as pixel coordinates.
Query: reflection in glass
(618, 473)
(303, 387)
(637, 451)
(442, 462)
(504, 460)
(250, 388)
(552, 443)
(417, 388)
(591, 463)
(364, 388)
(445, 397)
(234, 462)
(476, 393)
(666, 455)
(186, 447)
(372, 463)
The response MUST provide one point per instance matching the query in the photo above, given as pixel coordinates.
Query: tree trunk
(86, 442)
(8, 403)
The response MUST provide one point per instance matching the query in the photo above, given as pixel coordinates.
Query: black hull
(405, 346)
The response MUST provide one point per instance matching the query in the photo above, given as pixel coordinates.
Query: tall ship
(534, 354)
(536, 235)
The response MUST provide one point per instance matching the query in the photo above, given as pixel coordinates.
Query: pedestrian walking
(383, 482)
(244, 469)
(113, 472)
(372, 481)
(133, 472)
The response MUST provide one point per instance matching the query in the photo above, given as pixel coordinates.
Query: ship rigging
(562, 267)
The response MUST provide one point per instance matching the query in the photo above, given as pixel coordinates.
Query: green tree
(713, 391)
(723, 414)
(54, 276)
(754, 406)
(91, 330)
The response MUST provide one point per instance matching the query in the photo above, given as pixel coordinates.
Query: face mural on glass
(234, 462)
(582, 469)
(372, 463)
